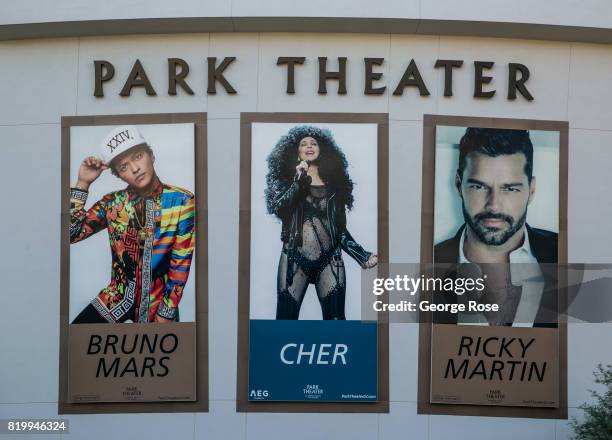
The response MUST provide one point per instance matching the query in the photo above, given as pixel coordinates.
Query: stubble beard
(493, 236)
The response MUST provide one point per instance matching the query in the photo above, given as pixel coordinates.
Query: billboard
(312, 190)
(133, 262)
(494, 212)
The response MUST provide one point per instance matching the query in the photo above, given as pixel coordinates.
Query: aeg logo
(259, 394)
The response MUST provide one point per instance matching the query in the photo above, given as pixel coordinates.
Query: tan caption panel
(505, 366)
(132, 362)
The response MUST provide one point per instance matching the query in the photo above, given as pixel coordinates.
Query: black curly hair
(333, 167)
(495, 142)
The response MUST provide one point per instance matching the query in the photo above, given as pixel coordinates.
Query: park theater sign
(374, 84)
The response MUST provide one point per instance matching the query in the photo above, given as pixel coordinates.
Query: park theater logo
(313, 391)
(495, 396)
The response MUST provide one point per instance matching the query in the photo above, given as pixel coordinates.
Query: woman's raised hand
(301, 168)
(372, 262)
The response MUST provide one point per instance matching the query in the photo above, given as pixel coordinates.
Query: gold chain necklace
(143, 231)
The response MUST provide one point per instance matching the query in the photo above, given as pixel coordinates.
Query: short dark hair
(146, 147)
(494, 142)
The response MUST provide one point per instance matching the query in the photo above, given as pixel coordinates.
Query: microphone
(302, 172)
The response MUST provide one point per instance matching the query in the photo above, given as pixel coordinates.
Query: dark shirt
(544, 247)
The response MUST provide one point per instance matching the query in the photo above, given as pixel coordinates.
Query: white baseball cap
(119, 140)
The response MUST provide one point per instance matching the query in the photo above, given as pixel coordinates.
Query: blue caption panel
(333, 361)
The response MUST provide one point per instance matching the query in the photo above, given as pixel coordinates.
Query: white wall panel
(549, 68)
(584, 353)
(29, 411)
(564, 429)
(31, 165)
(591, 13)
(309, 426)
(403, 422)
(424, 50)
(469, 9)
(29, 173)
(153, 52)
(37, 11)
(589, 201)
(37, 80)
(221, 422)
(595, 13)
(589, 87)
(485, 428)
(405, 152)
(403, 365)
(125, 426)
(223, 189)
(242, 74)
(325, 8)
(273, 78)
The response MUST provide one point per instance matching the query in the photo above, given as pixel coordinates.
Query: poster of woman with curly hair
(313, 232)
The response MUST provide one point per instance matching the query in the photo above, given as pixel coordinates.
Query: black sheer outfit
(314, 235)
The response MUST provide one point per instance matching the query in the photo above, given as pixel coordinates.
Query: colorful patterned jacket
(152, 241)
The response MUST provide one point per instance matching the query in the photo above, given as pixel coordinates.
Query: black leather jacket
(289, 206)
